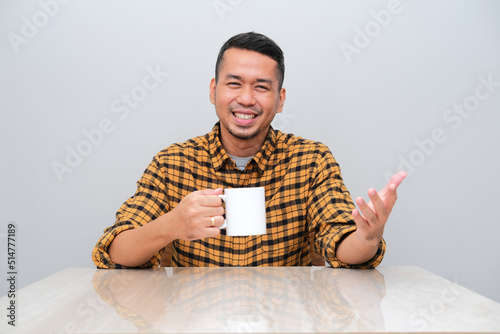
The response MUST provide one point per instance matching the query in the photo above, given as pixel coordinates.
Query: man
(176, 198)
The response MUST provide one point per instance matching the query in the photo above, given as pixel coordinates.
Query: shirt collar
(220, 156)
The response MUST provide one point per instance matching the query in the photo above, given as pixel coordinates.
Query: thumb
(217, 191)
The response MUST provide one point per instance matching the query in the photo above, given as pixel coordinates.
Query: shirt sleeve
(330, 213)
(148, 203)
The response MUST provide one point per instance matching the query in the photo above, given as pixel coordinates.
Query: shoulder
(181, 155)
(303, 154)
(191, 146)
(292, 143)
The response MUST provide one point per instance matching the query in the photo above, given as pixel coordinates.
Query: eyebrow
(237, 77)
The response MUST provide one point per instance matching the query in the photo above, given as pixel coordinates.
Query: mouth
(244, 116)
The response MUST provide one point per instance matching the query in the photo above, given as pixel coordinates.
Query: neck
(242, 147)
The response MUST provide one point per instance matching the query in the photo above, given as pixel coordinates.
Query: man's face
(246, 96)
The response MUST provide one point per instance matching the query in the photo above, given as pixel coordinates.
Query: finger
(215, 221)
(359, 220)
(213, 211)
(210, 198)
(378, 204)
(211, 232)
(396, 180)
(369, 215)
(210, 201)
(389, 194)
(393, 184)
(217, 191)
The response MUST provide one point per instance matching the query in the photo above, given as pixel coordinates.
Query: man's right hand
(193, 215)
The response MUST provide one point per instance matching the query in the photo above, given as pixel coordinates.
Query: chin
(244, 135)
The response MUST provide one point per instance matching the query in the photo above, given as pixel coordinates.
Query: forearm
(133, 248)
(352, 250)
(197, 216)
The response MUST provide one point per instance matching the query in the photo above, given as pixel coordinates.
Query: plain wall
(387, 85)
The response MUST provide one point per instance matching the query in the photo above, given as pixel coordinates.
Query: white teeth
(244, 116)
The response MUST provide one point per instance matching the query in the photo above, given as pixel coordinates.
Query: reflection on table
(250, 300)
(243, 300)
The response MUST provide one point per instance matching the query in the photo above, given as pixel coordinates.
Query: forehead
(248, 63)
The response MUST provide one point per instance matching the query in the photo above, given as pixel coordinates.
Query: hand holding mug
(198, 213)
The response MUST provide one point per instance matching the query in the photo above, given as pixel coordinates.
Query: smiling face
(246, 98)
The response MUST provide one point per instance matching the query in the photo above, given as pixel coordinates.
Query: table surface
(249, 300)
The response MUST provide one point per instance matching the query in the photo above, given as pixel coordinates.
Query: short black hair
(254, 42)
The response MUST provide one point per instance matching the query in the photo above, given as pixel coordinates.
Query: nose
(246, 97)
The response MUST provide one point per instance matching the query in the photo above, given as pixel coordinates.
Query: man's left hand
(371, 220)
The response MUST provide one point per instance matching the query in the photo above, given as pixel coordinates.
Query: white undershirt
(240, 162)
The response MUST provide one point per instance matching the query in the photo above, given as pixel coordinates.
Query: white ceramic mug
(245, 211)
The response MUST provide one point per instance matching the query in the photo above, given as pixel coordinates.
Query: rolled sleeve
(330, 213)
(329, 243)
(100, 254)
(148, 203)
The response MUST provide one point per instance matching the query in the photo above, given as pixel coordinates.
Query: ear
(281, 101)
(212, 91)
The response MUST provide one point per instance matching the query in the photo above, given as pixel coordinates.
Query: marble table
(249, 300)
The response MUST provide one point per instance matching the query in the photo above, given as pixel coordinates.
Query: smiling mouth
(244, 116)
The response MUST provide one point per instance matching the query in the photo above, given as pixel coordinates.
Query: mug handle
(223, 197)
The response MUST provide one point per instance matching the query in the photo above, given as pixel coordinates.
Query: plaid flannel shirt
(304, 193)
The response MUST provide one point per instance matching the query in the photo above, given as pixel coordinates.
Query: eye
(234, 84)
(262, 88)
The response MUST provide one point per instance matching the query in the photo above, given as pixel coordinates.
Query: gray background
(392, 103)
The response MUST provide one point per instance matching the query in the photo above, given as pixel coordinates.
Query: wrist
(356, 249)
(369, 240)
(168, 229)
(364, 242)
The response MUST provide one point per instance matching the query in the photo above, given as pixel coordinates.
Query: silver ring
(213, 221)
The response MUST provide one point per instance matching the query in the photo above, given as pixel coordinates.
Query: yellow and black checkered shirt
(304, 193)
